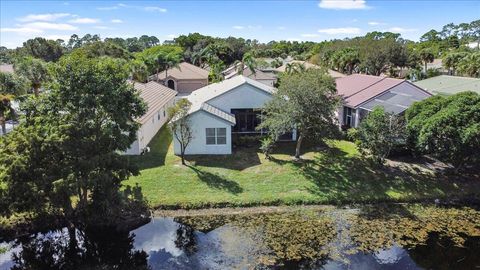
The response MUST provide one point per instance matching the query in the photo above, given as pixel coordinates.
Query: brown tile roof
(259, 75)
(185, 71)
(358, 88)
(155, 96)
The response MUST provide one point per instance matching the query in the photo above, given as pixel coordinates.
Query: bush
(352, 135)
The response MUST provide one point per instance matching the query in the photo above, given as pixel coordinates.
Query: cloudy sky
(262, 20)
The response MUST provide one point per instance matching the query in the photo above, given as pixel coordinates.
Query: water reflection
(417, 238)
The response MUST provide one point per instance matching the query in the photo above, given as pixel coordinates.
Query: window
(348, 116)
(216, 136)
(171, 84)
(163, 113)
(158, 115)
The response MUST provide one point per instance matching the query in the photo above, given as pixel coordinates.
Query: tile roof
(186, 71)
(155, 96)
(449, 85)
(358, 88)
(333, 73)
(216, 111)
(258, 75)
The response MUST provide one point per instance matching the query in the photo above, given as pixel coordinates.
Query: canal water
(373, 237)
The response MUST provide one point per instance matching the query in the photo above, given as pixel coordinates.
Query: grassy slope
(333, 174)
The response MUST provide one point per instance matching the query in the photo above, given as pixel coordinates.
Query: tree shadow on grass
(341, 177)
(240, 159)
(217, 181)
(158, 151)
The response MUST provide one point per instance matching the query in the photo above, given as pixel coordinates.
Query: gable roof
(359, 88)
(449, 85)
(185, 71)
(258, 75)
(200, 97)
(155, 96)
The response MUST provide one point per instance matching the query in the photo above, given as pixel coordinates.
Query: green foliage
(306, 102)
(470, 65)
(68, 146)
(13, 84)
(34, 70)
(353, 135)
(47, 50)
(99, 49)
(447, 127)
(160, 58)
(379, 132)
(180, 125)
(266, 146)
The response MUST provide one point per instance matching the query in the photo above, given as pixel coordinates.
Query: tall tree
(452, 60)
(447, 127)
(35, 70)
(470, 65)
(48, 50)
(180, 125)
(427, 57)
(306, 102)
(70, 142)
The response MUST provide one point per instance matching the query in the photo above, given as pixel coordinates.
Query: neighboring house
(307, 65)
(184, 79)
(267, 78)
(438, 65)
(220, 110)
(361, 93)
(449, 85)
(158, 99)
(6, 68)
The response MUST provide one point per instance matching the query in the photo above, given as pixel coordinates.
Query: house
(158, 99)
(307, 65)
(220, 110)
(449, 85)
(361, 93)
(184, 79)
(267, 78)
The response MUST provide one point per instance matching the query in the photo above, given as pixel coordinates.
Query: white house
(222, 109)
(158, 99)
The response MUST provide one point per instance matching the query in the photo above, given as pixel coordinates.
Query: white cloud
(84, 20)
(281, 28)
(343, 4)
(50, 26)
(172, 36)
(374, 23)
(400, 30)
(310, 35)
(144, 8)
(239, 27)
(43, 17)
(116, 21)
(341, 30)
(21, 30)
(156, 9)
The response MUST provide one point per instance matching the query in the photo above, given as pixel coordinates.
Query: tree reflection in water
(79, 249)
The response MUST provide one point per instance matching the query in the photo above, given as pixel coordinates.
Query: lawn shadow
(241, 159)
(342, 177)
(217, 181)
(159, 146)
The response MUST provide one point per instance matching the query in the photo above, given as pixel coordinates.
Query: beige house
(267, 78)
(158, 99)
(184, 79)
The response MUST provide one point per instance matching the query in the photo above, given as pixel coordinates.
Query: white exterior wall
(243, 97)
(199, 121)
(149, 129)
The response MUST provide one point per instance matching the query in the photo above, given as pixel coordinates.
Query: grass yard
(335, 173)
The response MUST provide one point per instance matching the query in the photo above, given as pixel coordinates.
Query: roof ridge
(370, 85)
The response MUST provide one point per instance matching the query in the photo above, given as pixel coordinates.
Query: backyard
(334, 173)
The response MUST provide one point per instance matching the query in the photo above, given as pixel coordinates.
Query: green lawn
(332, 174)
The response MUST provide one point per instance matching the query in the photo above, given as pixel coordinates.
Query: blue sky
(262, 20)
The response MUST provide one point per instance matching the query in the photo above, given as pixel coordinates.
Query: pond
(367, 237)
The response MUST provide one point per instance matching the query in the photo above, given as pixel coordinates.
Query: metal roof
(217, 112)
(155, 96)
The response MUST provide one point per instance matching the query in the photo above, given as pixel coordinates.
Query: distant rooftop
(184, 71)
(6, 68)
(449, 85)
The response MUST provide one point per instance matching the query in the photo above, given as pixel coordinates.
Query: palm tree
(470, 65)
(35, 70)
(138, 71)
(452, 60)
(426, 56)
(6, 111)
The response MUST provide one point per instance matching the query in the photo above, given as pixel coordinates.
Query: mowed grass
(332, 173)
